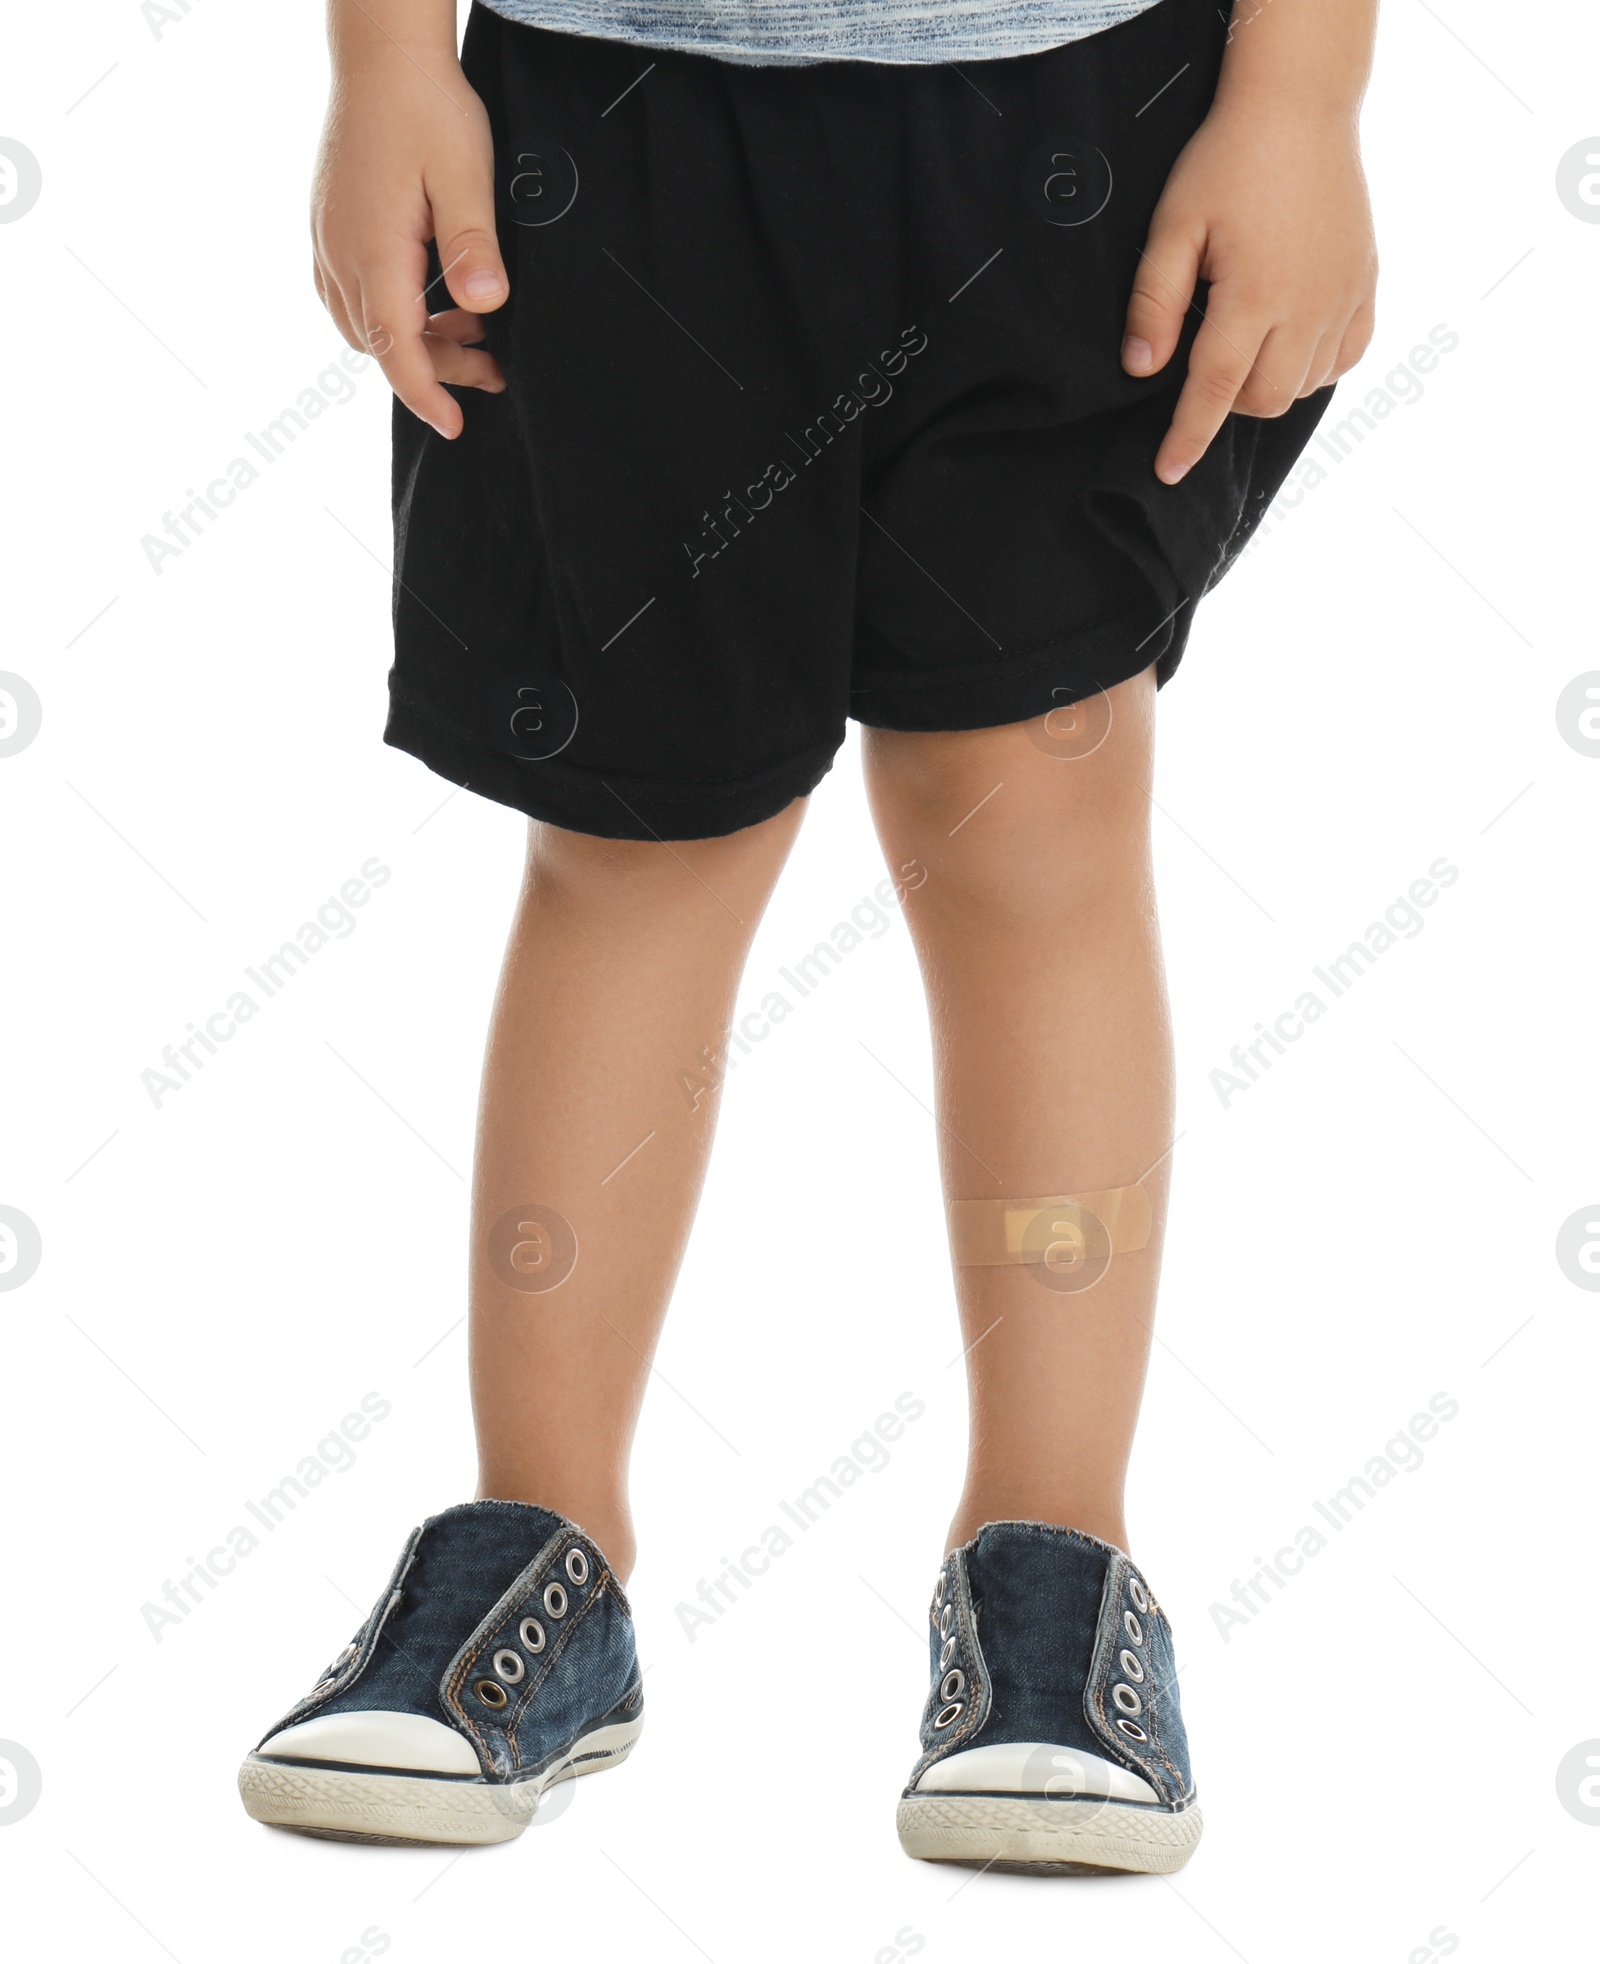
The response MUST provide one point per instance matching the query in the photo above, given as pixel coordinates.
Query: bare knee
(1018, 817)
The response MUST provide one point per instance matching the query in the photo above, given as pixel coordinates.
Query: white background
(223, 1278)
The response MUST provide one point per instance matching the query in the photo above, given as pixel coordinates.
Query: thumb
(469, 252)
(1163, 288)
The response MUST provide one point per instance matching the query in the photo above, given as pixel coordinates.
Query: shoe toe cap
(406, 1740)
(1028, 1767)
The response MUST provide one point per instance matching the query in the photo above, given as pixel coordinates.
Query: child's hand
(1269, 204)
(406, 157)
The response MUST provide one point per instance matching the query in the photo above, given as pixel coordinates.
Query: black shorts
(815, 409)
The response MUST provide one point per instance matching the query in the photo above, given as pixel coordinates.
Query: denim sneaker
(498, 1661)
(1052, 1734)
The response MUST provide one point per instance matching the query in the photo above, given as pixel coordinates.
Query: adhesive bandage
(1066, 1239)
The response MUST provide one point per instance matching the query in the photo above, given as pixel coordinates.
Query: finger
(1163, 290)
(1357, 339)
(1321, 371)
(394, 316)
(339, 311)
(456, 324)
(1278, 374)
(463, 368)
(1219, 364)
(469, 253)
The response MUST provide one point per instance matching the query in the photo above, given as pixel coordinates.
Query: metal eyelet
(340, 1662)
(1133, 1732)
(1131, 1667)
(1133, 1626)
(1139, 1594)
(1127, 1700)
(947, 1717)
(577, 1567)
(952, 1686)
(531, 1635)
(509, 1667)
(947, 1650)
(555, 1601)
(939, 1594)
(947, 1617)
(491, 1694)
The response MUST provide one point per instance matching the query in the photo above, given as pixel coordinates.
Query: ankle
(608, 1526)
(1103, 1521)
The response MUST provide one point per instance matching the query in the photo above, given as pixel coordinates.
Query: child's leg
(1036, 930)
(623, 963)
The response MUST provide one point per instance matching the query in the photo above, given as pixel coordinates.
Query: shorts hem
(1049, 678)
(613, 806)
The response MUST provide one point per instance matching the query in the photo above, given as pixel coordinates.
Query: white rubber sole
(1046, 1833)
(378, 1804)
